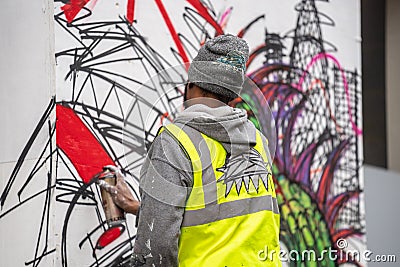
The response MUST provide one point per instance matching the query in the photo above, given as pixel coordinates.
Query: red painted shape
(109, 236)
(204, 13)
(326, 180)
(79, 144)
(72, 9)
(174, 35)
(130, 11)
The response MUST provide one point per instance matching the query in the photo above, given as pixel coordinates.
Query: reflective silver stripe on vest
(208, 177)
(230, 209)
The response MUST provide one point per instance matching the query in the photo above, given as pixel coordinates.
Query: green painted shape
(302, 226)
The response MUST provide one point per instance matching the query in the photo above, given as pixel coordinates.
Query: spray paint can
(114, 214)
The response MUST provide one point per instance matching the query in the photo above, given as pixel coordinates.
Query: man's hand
(120, 193)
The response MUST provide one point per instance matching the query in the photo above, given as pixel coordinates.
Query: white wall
(381, 204)
(26, 69)
(27, 72)
(27, 78)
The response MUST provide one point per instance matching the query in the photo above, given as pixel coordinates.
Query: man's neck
(207, 101)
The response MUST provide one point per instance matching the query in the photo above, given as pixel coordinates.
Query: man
(207, 194)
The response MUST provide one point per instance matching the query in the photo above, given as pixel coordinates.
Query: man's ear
(189, 85)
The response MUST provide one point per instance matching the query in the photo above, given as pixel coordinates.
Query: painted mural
(109, 106)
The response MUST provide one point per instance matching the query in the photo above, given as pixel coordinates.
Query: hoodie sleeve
(165, 184)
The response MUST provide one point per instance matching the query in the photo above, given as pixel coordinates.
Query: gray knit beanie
(220, 65)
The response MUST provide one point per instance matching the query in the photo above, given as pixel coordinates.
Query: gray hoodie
(166, 178)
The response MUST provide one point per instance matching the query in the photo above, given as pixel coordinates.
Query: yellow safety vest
(231, 216)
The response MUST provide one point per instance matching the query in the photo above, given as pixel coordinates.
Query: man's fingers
(120, 179)
(115, 170)
(106, 186)
(111, 168)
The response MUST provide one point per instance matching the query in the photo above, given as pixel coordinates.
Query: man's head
(218, 70)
